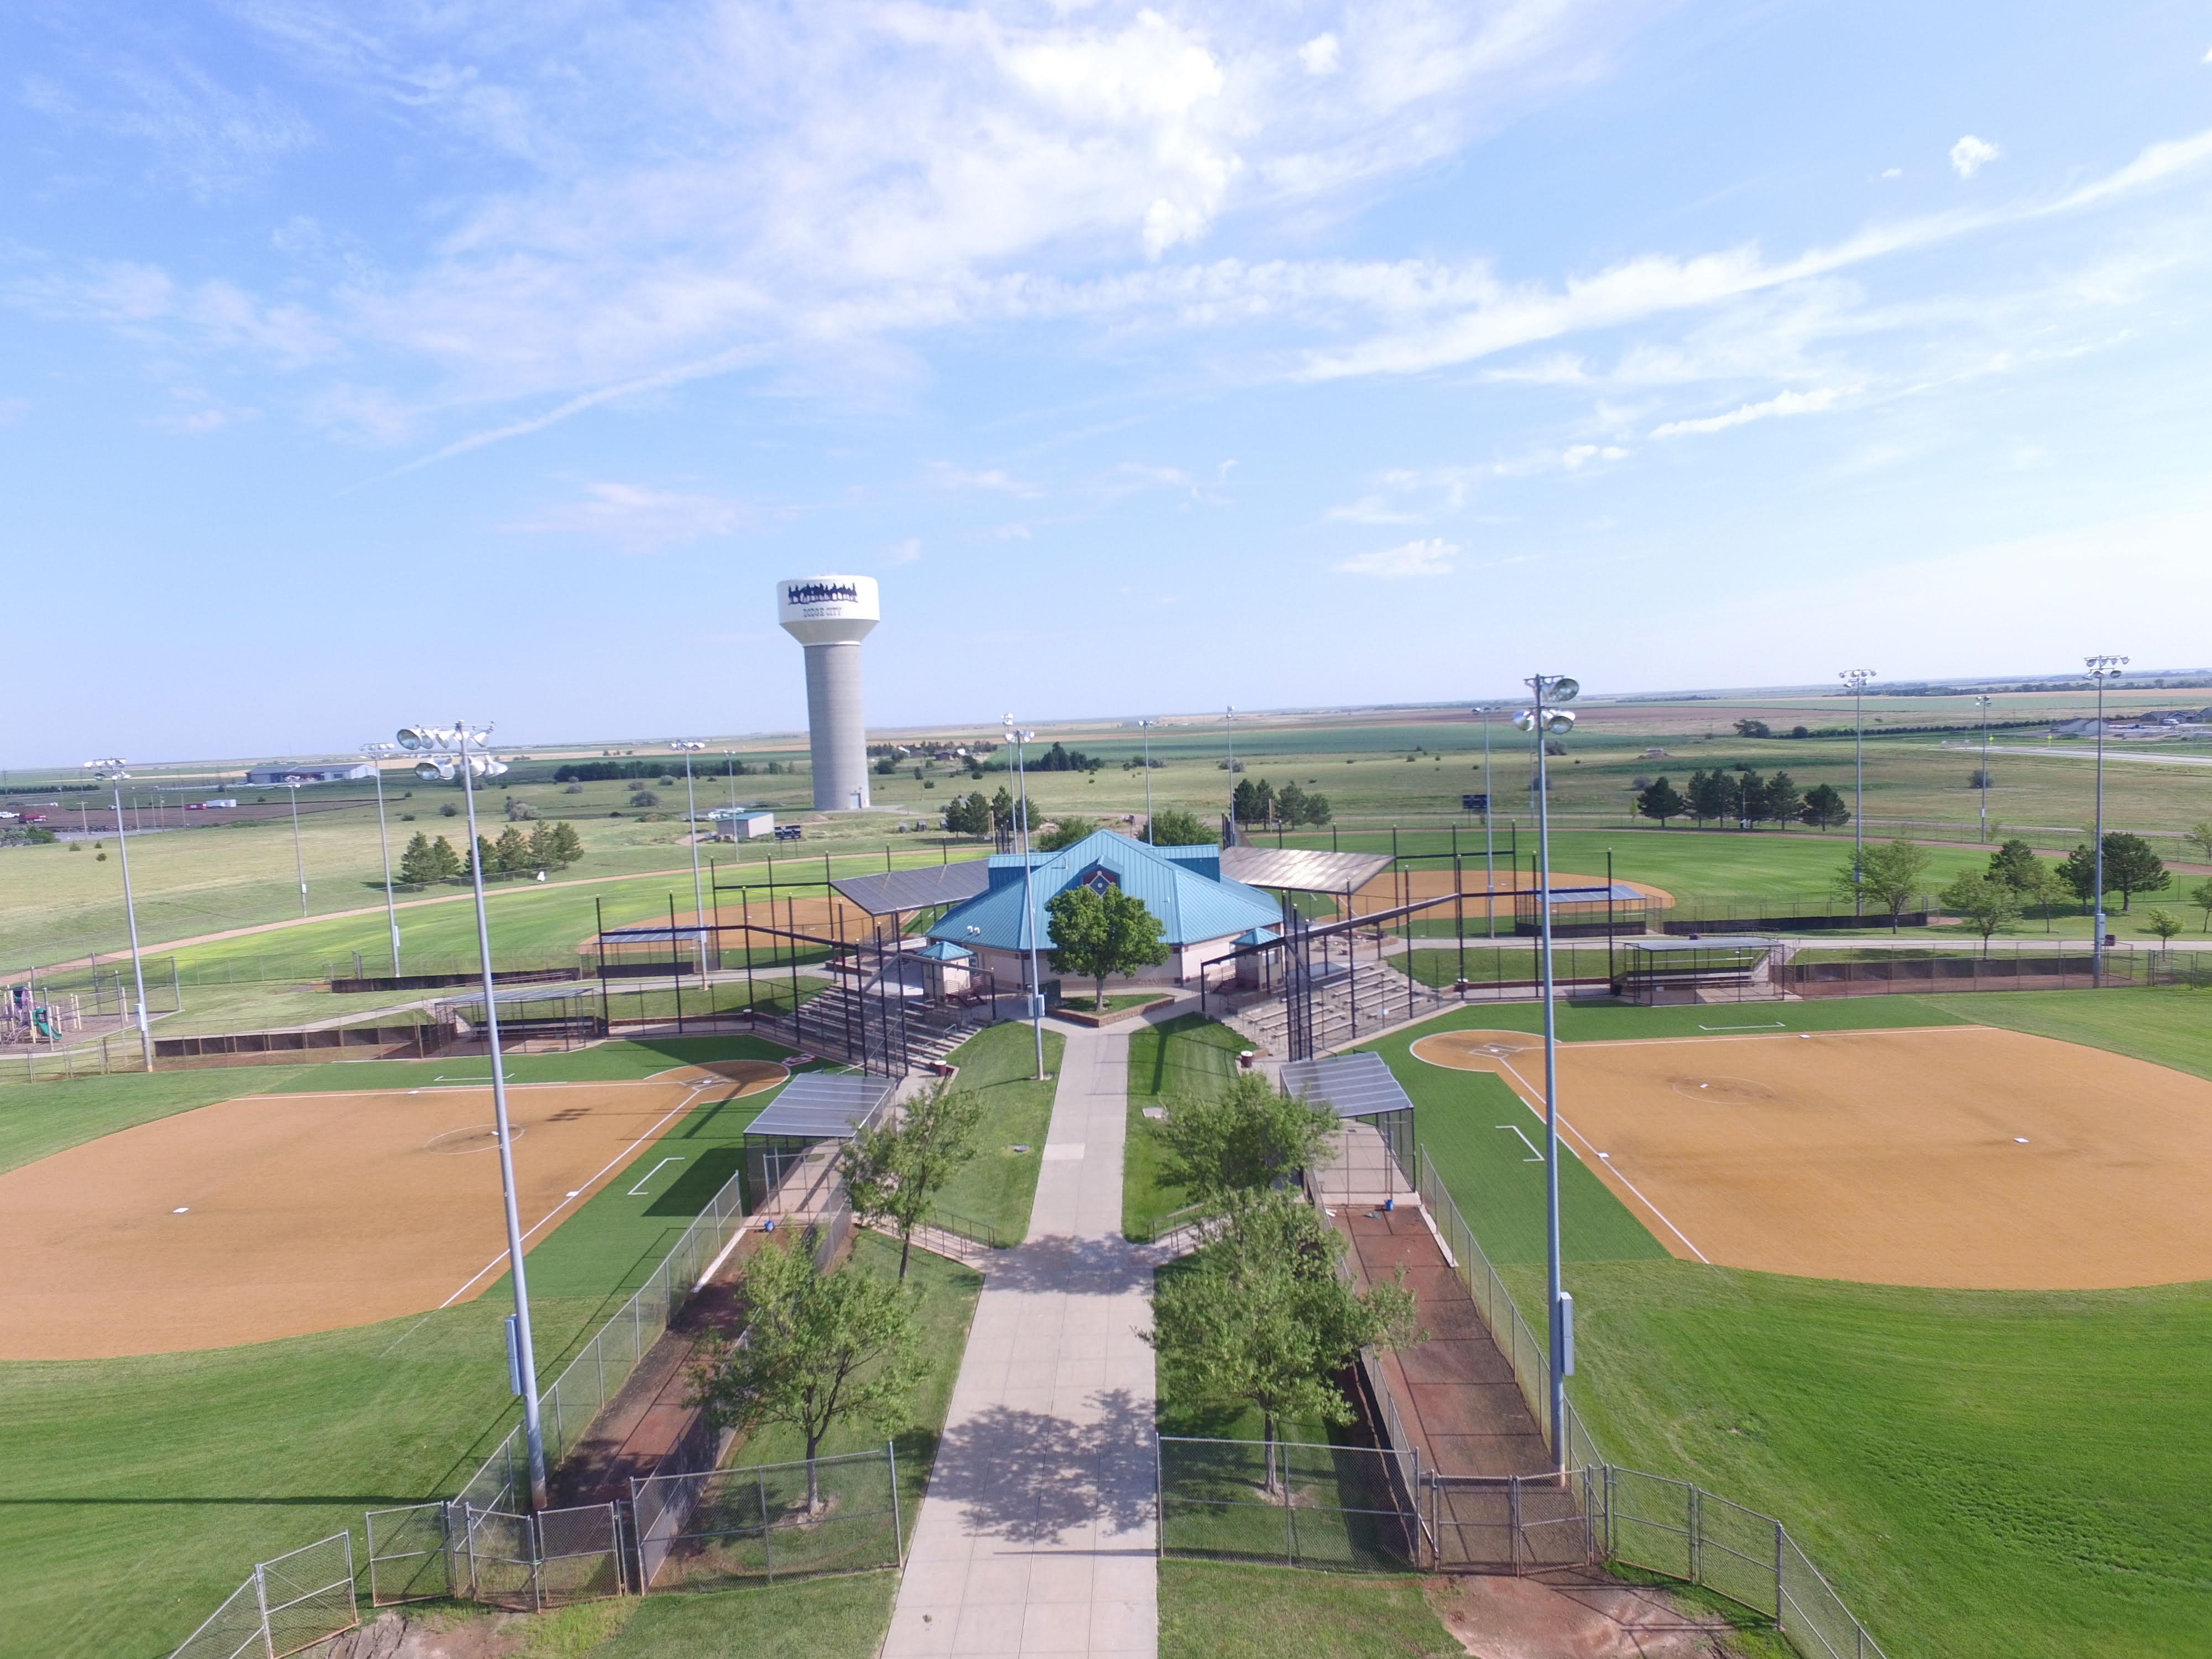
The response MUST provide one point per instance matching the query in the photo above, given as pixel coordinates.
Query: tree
(1260, 1319)
(1661, 800)
(1749, 800)
(1096, 933)
(2200, 838)
(1004, 813)
(2013, 862)
(1242, 1140)
(1316, 810)
(2077, 874)
(2132, 867)
(2201, 896)
(1069, 830)
(1177, 828)
(1713, 795)
(1753, 729)
(487, 859)
(1253, 802)
(2164, 923)
(1290, 803)
(565, 846)
(512, 850)
(419, 865)
(1780, 800)
(1986, 904)
(1824, 808)
(520, 812)
(821, 1349)
(643, 797)
(894, 1171)
(1891, 874)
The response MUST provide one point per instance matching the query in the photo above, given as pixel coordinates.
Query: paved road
(1037, 1536)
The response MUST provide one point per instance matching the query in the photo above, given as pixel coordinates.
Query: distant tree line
(1751, 728)
(547, 847)
(1745, 797)
(1257, 801)
(610, 771)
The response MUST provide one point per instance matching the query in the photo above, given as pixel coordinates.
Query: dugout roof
(901, 892)
(822, 1106)
(1708, 942)
(1301, 870)
(1351, 1086)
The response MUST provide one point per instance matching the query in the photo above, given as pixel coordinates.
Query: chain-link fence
(1673, 1528)
(721, 1528)
(1303, 1504)
(288, 1604)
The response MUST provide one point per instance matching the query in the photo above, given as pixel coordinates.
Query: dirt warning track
(1959, 1155)
(274, 1215)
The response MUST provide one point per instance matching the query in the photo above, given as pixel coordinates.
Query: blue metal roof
(939, 949)
(1182, 885)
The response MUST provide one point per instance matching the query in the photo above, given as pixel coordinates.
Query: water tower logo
(830, 614)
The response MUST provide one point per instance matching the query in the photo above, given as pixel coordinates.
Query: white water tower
(830, 616)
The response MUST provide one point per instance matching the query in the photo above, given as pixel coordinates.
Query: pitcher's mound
(751, 1076)
(1473, 1051)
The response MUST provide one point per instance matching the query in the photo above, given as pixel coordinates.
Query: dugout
(1717, 968)
(791, 1149)
(1375, 1147)
(1584, 912)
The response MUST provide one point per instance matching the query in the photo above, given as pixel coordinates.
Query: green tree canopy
(2163, 923)
(1781, 800)
(1004, 813)
(893, 1172)
(1986, 904)
(2014, 864)
(1713, 795)
(1260, 1319)
(821, 1349)
(2132, 867)
(1661, 800)
(1291, 803)
(2199, 837)
(1749, 728)
(1242, 1140)
(2201, 896)
(2077, 874)
(1894, 874)
(419, 865)
(1824, 808)
(1096, 934)
(1173, 827)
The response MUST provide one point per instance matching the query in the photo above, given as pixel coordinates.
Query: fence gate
(501, 1553)
(580, 1554)
(410, 1559)
(1510, 1523)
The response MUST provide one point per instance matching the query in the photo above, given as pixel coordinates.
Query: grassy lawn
(1117, 1002)
(1982, 1473)
(998, 1184)
(137, 1492)
(1214, 1610)
(1189, 1056)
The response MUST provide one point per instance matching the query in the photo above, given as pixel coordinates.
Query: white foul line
(619, 1158)
(639, 1191)
(1609, 1164)
(715, 1266)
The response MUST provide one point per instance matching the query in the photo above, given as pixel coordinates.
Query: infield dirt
(271, 1216)
(1959, 1156)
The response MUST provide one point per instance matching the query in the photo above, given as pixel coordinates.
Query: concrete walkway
(1037, 1534)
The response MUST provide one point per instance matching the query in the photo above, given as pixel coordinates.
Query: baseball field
(1928, 1280)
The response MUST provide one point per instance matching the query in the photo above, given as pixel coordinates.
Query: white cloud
(637, 519)
(1322, 55)
(214, 139)
(998, 480)
(902, 552)
(13, 410)
(1432, 556)
(1971, 154)
(1783, 402)
(1373, 509)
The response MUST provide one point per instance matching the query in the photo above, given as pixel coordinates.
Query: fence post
(1513, 1522)
(1159, 1500)
(1778, 1536)
(768, 1544)
(890, 1452)
(261, 1601)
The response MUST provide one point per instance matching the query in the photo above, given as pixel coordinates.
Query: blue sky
(369, 361)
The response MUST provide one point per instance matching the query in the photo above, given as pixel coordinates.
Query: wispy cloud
(215, 139)
(902, 552)
(1971, 154)
(1432, 556)
(1782, 403)
(993, 479)
(637, 519)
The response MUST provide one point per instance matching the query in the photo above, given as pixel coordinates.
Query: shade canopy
(1351, 1086)
(822, 1106)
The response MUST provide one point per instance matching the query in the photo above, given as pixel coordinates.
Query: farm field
(1376, 771)
(1982, 1472)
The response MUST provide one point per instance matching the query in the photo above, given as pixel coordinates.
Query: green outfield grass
(138, 1491)
(1209, 1610)
(999, 1184)
(2011, 1475)
(1189, 1055)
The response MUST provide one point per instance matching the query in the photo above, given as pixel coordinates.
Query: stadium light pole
(376, 753)
(1856, 678)
(298, 858)
(691, 822)
(111, 771)
(1544, 722)
(1228, 729)
(1146, 727)
(2101, 672)
(1985, 704)
(1020, 739)
(1489, 856)
(459, 740)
